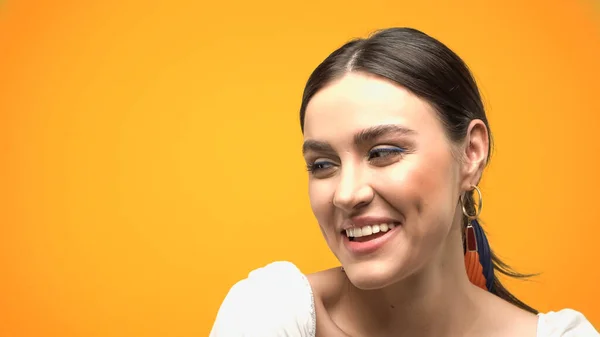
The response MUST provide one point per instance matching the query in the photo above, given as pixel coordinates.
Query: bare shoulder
(327, 284)
(508, 319)
(521, 323)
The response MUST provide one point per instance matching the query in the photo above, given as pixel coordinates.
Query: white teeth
(368, 230)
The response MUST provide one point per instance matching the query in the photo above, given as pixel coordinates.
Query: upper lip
(364, 220)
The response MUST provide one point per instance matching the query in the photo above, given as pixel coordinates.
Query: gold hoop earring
(479, 205)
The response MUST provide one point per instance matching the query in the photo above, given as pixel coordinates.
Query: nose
(353, 191)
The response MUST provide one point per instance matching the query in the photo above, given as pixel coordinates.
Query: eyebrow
(364, 136)
(316, 146)
(370, 134)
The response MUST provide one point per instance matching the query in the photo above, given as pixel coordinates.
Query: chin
(372, 275)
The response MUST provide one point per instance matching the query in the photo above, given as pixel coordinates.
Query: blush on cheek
(321, 203)
(418, 186)
(318, 197)
(434, 185)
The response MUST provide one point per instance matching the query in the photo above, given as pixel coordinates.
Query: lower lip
(370, 246)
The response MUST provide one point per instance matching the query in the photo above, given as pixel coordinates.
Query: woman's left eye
(384, 152)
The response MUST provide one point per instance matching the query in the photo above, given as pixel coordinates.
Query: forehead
(357, 101)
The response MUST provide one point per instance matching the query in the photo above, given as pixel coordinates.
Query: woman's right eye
(319, 167)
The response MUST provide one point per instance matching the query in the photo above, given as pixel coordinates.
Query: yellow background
(150, 152)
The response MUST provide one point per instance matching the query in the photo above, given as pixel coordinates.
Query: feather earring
(478, 256)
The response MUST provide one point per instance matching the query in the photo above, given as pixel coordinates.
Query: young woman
(395, 140)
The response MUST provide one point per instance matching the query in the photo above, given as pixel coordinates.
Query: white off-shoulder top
(277, 301)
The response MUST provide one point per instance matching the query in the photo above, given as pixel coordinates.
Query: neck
(437, 301)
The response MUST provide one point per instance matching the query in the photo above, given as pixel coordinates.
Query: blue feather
(485, 255)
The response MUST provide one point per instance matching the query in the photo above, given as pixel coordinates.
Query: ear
(474, 152)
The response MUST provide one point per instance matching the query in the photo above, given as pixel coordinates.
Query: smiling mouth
(369, 232)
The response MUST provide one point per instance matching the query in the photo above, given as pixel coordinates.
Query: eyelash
(383, 152)
(387, 150)
(312, 168)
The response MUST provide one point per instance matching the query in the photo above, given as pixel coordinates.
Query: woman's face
(384, 184)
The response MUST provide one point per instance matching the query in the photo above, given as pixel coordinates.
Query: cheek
(421, 188)
(320, 194)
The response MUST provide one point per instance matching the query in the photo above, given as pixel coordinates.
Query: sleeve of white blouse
(565, 323)
(273, 301)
